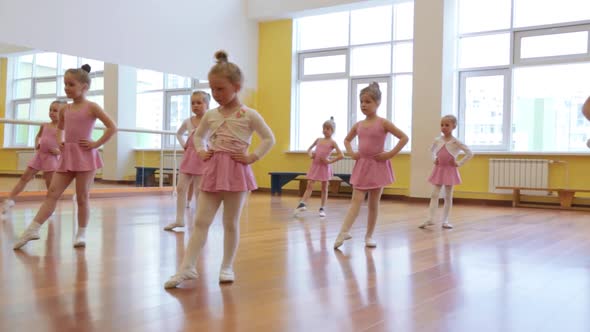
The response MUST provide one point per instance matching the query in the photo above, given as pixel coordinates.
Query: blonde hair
(58, 101)
(226, 69)
(330, 123)
(81, 74)
(373, 91)
(206, 97)
(451, 118)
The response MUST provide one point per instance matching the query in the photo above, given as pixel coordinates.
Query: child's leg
(22, 182)
(196, 185)
(189, 195)
(432, 207)
(324, 194)
(206, 208)
(302, 203)
(353, 211)
(59, 183)
(84, 181)
(183, 183)
(47, 177)
(447, 207)
(233, 202)
(374, 200)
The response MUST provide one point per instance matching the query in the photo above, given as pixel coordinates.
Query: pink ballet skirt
(44, 160)
(74, 158)
(367, 172)
(445, 173)
(222, 173)
(191, 163)
(318, 171)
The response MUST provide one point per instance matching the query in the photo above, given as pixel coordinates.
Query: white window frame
(14, 102)
(522, 33)
(516, 35)
(506, 125)
(300, 56)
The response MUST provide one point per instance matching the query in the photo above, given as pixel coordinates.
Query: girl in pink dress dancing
(445, 151)
(46, 158)
(321, 169)
(228, 176)
(79, 154)
(372, 169)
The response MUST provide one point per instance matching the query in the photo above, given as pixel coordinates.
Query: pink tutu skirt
(319, 171)
(222, 173)
(369, 173)
(191, 163)
(75, 159)
(44, 161)
(445, 175)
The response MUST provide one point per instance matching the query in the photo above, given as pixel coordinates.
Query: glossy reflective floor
(500, 269)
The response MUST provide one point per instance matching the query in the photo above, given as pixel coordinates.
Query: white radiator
(169, 160)
(531, 173)
(343, 166)
(23, 158)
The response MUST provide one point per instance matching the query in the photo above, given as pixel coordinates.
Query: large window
(340, 53)
(163, 102)
(524, 73)
(37, 80)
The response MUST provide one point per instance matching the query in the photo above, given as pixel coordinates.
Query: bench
(333, 185)
(146, 176)
(279, 179)
(566, 197)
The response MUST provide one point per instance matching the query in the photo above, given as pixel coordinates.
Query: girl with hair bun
(228, 176)
(320, 169)
(79, 154)
(372, 170)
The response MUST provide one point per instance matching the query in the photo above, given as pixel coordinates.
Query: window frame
(13, 103)
(515, 62)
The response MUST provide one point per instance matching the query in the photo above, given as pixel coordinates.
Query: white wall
(275, 9)
(174, 36)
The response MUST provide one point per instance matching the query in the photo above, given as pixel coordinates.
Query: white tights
(434, 202)
(184, 181)
(207, 205)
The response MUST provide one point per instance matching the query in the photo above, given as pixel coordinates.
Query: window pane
(370, 25)
(68, 62)
(149, 80)
(484, 110)
(149, 115)
(369, 60)
(402, 105)
(45, 64)
(22, 89)
(22, 131)
(45, 87)
(24, 66)
(177, 82)
(41, 109)
(403, 21)
(403, 57)
(179, 109)
(95, 65)
(97, 84)
(539, 12)
(484, 15)
(324, 64)
(554, 45)
(318, 101)
(99, 99)
(482, 51)
(546, 112)
(323, 31)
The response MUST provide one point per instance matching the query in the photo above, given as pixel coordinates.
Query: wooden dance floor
(500, 269)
